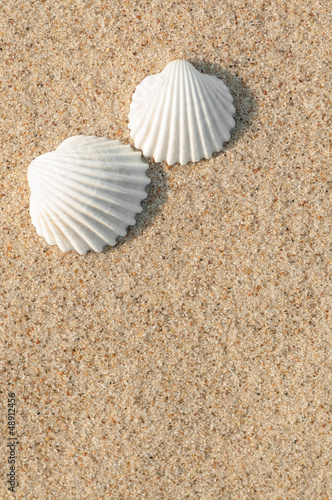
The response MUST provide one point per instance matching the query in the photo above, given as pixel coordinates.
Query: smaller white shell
(86, 193)
(181, 115)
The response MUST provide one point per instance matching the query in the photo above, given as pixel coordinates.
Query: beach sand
(193, 359)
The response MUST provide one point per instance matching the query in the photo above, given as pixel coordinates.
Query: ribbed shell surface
(86, 193)
(181, 115)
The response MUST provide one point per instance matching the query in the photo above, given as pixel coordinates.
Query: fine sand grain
(193, 359)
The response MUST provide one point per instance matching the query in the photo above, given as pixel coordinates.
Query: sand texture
(193, 359)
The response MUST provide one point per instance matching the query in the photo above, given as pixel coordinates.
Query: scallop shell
(86, 193)
(181, 115)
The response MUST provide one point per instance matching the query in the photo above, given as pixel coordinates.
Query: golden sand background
(192, 360)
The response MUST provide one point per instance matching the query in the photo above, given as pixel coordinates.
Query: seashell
(86, 193)
(180, 114)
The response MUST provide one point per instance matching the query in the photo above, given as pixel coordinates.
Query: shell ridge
(158, 145)
(105, 153)
(59, 235)
(105, 204)
(183, 121)
(156, 123)
(68, 203)
(197, 121)
(227, 122)
(83, 223)
(85, 188)
(47, 222)
(83, 240)
(216, 120)
(80, 240)
(189, 115)
(102, 171)
(221, 88)
(43, 228)
(93, 219)
(46, 229)
(149, 110)
(82, 142)
(173, 145)
(102, 181)
(208, 108)
(225, 99)
(216, 114)
(100, 160)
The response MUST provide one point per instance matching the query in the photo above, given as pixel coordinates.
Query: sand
(193, 359)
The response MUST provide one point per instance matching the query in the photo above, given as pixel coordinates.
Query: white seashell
(86, 193)
(180, 114)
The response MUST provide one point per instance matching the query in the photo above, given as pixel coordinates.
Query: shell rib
(181, 115)
(86, 193)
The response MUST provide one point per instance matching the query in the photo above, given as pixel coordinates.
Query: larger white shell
(86, 193)
(180, 114)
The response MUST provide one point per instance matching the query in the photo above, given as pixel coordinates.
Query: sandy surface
(192, 360)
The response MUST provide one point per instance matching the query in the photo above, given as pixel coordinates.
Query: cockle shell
(180, 114)
(86, 193)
